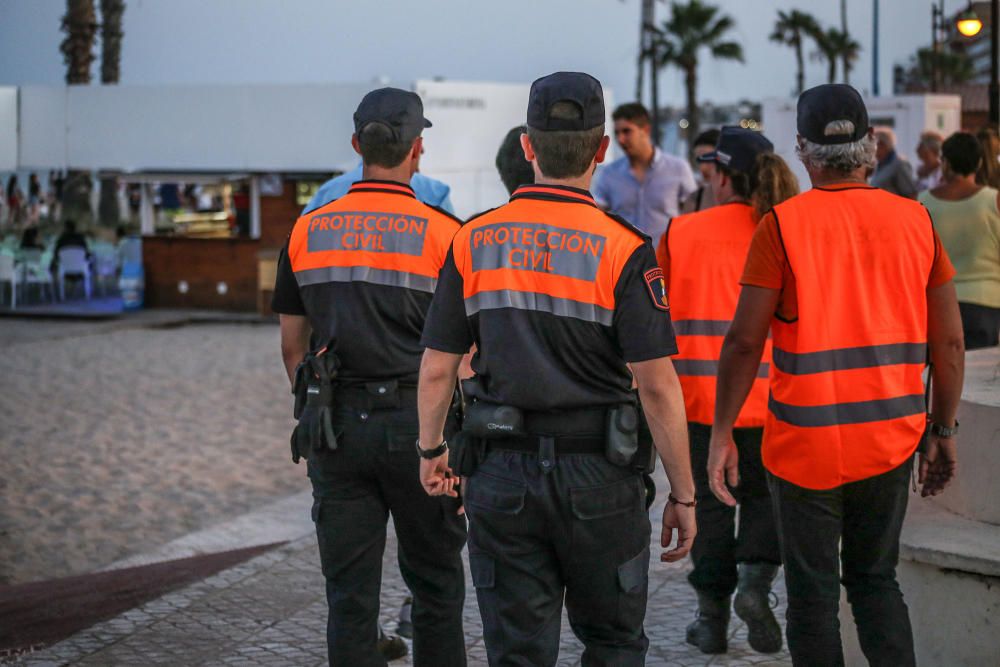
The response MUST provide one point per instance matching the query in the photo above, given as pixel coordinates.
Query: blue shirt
(428, 190)
(651, 204)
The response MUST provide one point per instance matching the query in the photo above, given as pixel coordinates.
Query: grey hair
(886, 134)
(931, 141)
(838, 157)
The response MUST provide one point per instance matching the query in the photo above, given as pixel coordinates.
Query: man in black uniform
(357, 277)
(559, 297)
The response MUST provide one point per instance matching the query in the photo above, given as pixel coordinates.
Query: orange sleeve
(766, 263)
(663, 259)
(943, 270)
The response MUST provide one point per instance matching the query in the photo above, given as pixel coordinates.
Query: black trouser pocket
(604, 516)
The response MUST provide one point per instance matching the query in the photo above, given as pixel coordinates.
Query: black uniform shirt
(363, 269)
(557, 295)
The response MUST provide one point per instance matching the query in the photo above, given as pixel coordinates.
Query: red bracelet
(671, 499)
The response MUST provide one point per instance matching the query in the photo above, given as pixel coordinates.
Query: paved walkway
(271, 610)
(116, 439)
(134, 441)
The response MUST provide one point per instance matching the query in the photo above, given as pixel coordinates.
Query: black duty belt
(374, 395)
(580, 431)
(564, 444)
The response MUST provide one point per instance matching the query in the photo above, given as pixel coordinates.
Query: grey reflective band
(849, 357)
(709, 368)
(365, 274)
(536, 301)
(701, 327)
(839, 414)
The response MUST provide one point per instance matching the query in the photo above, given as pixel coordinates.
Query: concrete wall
(8, 129)
(949, 569)
(909, 115)
(189, 128)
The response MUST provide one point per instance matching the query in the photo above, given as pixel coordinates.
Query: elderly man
(647, 186)
(854, 286)
(892, 173)
(929, 154)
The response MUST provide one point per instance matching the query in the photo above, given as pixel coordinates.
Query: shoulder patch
(657, 288)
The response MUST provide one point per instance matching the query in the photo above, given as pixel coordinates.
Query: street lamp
(970, 25)
(937, 33)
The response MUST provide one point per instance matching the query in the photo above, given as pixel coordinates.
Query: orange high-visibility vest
(707, 251)
(846, 397)
(364, 237)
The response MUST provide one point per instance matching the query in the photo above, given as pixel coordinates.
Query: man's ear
(529, 152)
(355, 144)
(602, 151)
(417, 149)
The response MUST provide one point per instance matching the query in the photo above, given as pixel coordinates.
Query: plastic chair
(73, 261)
(8, 274)
(35, 271)
(105, 265)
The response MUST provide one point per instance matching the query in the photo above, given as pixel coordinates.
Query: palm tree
(111, 39)
(790, 29)
(80, 25)
(691, 27)
(111, 56)
(833, 45)
(952, 68)
(847, 62)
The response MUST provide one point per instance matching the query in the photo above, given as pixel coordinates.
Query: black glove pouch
(491, 421)
(622, 437)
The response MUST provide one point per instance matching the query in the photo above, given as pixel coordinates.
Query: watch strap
(944, 431)
(432, 453)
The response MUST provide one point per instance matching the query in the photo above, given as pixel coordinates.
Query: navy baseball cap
(578, 88)
(737, 149)
(399, 110)
(822, 105)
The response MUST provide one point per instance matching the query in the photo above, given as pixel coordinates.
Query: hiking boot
(752, 605)
(404, 628)
(390, 646)
(708, 631)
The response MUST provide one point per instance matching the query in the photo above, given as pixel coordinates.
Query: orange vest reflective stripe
(707, 251)
(369, 237)
(567, 266)
(846, 397)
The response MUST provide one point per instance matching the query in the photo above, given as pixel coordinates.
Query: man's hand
(723, 466)
(437, 478)
(680, 517)
(938, 465)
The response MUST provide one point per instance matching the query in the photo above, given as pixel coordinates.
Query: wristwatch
(432, 453)
(944, 431)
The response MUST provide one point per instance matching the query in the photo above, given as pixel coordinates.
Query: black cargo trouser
(719, 545)
(542, 526)
(375, 472)
(855, 526)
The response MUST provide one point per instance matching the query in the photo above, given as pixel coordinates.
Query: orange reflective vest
(702, 255)
(846, 397)
(364, 237)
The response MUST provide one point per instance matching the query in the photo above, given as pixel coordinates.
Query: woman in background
(966, 215)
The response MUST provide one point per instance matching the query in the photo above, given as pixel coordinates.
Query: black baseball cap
(399, 110)
(822, 105)
(738, 148)
(578, 88)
